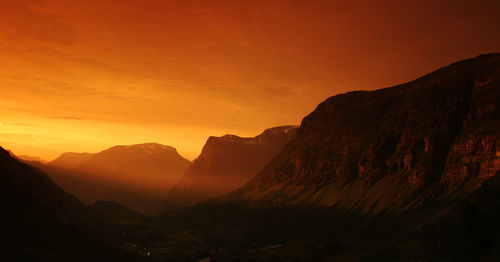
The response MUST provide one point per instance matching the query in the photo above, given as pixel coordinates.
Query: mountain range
(406, 173)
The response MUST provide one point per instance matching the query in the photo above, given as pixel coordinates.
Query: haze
(87, 75)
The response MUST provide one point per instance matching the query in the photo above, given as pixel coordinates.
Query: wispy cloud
(67, 117)
(17, 124)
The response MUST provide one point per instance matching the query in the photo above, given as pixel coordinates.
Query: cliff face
(227, 163)
(391, 149)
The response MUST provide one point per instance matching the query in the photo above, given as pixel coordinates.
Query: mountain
(41, 222)
(228, 162)
(392, 149)
(150, 165)
(25, 158)
(31, 158)
(136, 176)
(70, 160)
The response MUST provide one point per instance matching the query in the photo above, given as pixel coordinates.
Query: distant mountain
(31, 158)
(392, 149)
(136, 176)
(150, 165)
(228, 162)
(41, 222)
(70, 160)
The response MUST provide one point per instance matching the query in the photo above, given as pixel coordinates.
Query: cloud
(17, 124)
(67, 117)
(35, 25)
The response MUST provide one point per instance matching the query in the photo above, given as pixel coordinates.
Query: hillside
(392, 149)
(41, 222)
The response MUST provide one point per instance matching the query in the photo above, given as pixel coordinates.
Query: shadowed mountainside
(41, 222)
(392, 149)
(228, 162)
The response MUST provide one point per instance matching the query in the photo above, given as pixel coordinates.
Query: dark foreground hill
(227, 163)
(41, 222)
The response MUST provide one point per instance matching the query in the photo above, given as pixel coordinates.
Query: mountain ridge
(409, 139)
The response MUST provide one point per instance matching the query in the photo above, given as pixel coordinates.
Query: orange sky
(86, 75)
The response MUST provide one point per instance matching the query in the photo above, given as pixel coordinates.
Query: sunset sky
(82, 76)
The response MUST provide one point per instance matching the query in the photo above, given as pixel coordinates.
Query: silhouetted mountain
(70, 160)
(228, 162)
(41, 222)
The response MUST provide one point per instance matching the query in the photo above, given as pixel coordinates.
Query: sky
(85, 75)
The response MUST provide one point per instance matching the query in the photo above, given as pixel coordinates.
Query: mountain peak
(144, 146)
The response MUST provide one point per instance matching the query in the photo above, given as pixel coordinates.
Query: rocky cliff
(431, 139)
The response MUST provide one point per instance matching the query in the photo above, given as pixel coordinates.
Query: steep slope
(41, 222)
(228, 162)
(70, 160)
(427, 141)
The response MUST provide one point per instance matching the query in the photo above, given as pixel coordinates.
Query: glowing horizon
(82, 76)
